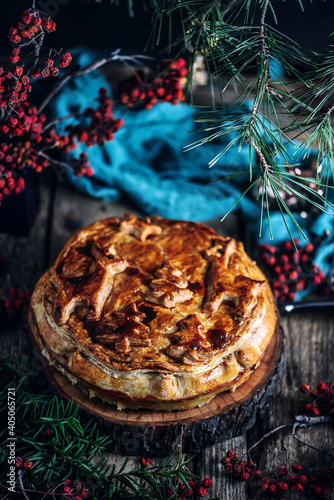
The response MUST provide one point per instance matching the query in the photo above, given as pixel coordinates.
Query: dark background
(101, 25)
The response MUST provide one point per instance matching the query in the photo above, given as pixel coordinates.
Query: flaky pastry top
(155, 294)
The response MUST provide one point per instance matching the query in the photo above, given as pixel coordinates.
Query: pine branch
(73, 448)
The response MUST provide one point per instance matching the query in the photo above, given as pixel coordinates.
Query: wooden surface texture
(309, 341)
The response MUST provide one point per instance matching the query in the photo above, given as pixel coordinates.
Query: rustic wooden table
(309, 341)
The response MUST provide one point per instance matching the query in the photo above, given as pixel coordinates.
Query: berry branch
(30, 141)
(289, 477)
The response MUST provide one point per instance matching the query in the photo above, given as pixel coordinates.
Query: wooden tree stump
(158, 433)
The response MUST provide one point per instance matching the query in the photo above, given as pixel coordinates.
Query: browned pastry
(153, 313)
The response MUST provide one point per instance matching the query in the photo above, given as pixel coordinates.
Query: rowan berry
(49, 62)
(45, 72)
(145, 461)
(14, 59)
(322, 387)
(314, 412)
(34, 73)
(18, 71)
(15, 38)
(207, 482)
(283, 486)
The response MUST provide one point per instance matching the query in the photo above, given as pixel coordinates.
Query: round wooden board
(148, 432)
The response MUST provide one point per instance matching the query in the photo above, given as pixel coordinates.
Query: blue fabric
(146, 165)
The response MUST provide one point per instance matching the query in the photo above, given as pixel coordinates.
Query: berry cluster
(28, 28)
(12, 309)
(161, 82)
(100, 123)
(290, 268)
(322, 399)
(33, 138)
(14, 85)
(73, 490)
(49, 68)
(280, 481)
(240, 469)
(196, 487)
(26, 464)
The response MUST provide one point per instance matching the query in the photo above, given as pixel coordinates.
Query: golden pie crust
(153, 313)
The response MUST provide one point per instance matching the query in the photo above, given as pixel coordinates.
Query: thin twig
(265, 436)
(22, 485)
(114, 56)
(62, 118)
(313, 447)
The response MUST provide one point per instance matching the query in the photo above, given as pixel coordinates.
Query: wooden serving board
(149, 432)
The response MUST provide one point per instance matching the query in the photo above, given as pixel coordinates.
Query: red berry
(283, 486)
(48, 62)
(14, 59)
(305, 388)
(45, 72)
(18, 461)
(207, 482)
(271, 261)
(296, 468)
(322, 387)
(316, 280)
(309, 247)
(293, 275)
(27, 464)
(34, 73)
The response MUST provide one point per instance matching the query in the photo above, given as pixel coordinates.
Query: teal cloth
(146, 165)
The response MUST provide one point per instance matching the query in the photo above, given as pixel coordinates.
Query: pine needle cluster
(282, 115)
(63, 444)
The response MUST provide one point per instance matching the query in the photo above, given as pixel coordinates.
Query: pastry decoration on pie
(153, 313)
